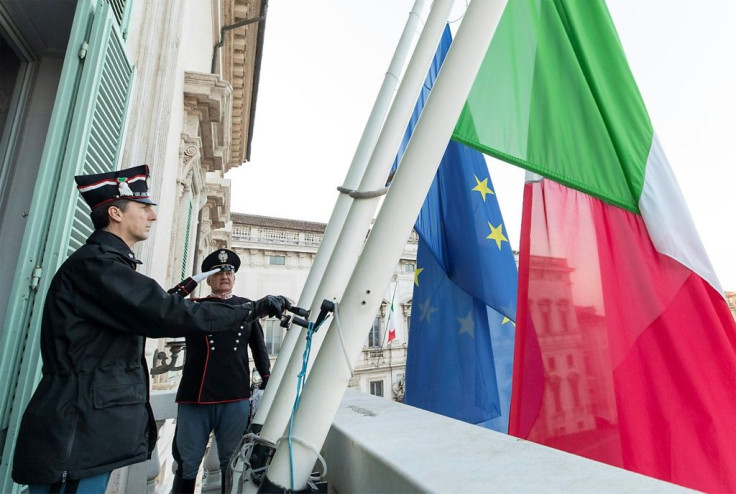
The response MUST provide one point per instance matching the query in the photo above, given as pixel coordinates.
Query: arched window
(274, 335)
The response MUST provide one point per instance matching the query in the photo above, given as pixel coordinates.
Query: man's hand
(268, 306)
(271, 306)
(264, 381)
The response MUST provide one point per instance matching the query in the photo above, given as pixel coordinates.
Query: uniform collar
(109, 242)
(223, 296)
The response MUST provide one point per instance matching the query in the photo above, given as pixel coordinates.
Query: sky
(324, 62)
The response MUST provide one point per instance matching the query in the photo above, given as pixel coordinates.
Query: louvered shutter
(85, 136)
(121, 10)
(104, 91)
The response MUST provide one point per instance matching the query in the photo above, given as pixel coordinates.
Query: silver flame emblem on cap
(123, 187)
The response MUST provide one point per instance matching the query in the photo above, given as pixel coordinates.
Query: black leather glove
(270, 305)
(264, 381)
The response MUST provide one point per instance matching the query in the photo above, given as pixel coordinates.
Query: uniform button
(237, 341)
(239, 334)
(212, 348)
(212, 341)
(235, 348)
(241, 327)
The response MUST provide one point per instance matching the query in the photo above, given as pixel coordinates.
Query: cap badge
(222, 256)
(123, 188)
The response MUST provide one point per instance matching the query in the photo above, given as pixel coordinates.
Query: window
(374, 337)
(376, 388)
(575, 389)
(11, 66)
(562, 308)
(274, 335)
(277, 260)
(14, 75)
(570, 362)
(556, 396)
(544, 308)
(408, 267)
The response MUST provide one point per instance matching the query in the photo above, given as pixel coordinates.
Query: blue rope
(311, 329)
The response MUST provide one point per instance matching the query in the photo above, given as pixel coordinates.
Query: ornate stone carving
(189, 153)
(208, 107)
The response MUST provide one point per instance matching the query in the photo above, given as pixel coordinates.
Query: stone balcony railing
(296, 238)
(380, 446)
(377, 445)
(275, 236)
(375, 356)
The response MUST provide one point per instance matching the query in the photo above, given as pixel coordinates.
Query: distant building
(731, 298)
(91, 86)
(277, 254)
(573, 340)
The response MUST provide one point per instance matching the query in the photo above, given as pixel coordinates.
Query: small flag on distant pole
(391, 320)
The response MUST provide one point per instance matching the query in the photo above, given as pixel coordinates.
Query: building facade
(731, 298)
(89, 86)
(277, 255)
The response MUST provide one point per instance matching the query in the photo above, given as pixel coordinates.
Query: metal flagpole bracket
(326, 308)
(368, 194)
(296, 311)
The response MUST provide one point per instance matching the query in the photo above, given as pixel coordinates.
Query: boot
(182, 485)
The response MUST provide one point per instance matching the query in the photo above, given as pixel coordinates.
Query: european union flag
(464, 301)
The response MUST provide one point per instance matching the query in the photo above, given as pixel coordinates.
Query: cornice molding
(239, 67)
(209, 99)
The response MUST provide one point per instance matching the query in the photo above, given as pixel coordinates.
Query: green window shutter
(121, 10)
(85, 135)
(107, 89)
(17, 342)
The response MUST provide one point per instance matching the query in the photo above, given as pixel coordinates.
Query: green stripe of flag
(555, 95)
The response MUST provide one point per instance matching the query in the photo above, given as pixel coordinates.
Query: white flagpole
(331, 372)
(352, 235)
(342, 205)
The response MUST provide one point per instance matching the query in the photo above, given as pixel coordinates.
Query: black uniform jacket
(90, 413)
(216, 368)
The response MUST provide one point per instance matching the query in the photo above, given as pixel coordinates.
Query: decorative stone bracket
(175, 347)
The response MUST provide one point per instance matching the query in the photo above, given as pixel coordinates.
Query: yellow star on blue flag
(482, 187)
(497, 234)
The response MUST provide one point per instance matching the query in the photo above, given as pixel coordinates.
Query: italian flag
(391, 319)
(625, 346)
